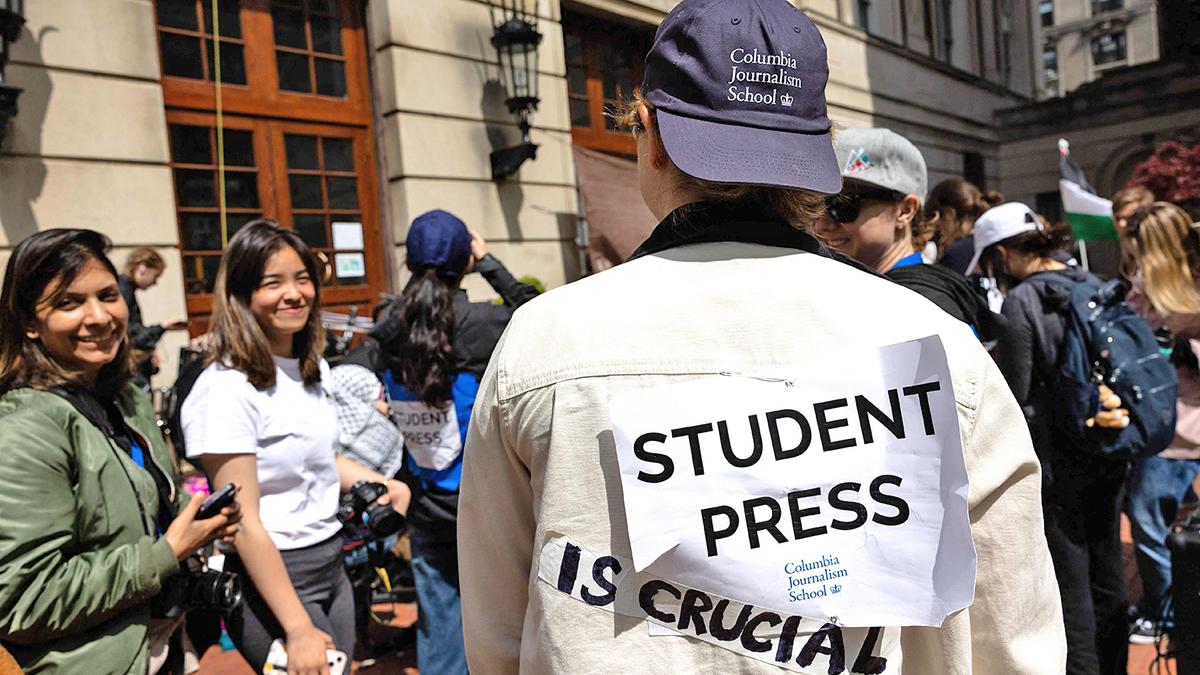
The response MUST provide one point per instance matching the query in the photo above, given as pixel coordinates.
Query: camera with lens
(359, 510)
(197, 587)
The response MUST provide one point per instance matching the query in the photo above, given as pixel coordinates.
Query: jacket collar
(744, 222)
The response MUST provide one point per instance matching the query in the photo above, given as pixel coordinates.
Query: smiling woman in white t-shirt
(259, 416)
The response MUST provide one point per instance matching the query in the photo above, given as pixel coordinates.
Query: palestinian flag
(1090, 215)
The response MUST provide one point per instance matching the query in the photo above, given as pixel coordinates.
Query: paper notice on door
(350, 265)
(348, 236)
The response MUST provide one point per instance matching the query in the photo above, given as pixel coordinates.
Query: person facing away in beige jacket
(730, 285)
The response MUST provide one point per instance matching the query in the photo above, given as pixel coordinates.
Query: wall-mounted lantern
(12, 18)
(516, 40)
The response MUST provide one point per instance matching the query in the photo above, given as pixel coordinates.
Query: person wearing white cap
(1081, 491)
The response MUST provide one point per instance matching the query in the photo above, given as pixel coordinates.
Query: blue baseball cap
(739, 91)
(439, 239)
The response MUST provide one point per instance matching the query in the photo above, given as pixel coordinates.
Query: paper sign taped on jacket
(833, 489)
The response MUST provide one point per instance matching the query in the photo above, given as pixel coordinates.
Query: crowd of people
(780, 242)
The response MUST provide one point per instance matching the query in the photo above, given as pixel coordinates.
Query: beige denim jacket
(540, 459)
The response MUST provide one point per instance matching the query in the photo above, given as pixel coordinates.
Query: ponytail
(991, 198)
(421, 356)
(1042, 243)
(953, 206)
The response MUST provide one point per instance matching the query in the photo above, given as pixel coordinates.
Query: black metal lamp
(12, 18)
(516, 41)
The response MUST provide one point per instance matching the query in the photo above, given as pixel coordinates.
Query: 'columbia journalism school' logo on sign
(779, 75)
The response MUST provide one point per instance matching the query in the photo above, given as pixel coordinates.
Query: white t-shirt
(292, 430)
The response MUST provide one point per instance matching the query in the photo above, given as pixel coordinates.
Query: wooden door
(298, 143)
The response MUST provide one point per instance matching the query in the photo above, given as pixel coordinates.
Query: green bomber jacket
(78, 560)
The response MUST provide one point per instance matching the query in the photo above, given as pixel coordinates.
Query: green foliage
(530, 280)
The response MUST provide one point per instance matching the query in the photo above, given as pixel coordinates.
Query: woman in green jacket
(91, 523)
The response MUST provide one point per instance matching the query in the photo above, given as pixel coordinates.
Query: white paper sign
(608, 582)
(350, 265)
(431, 435)
(348, 236)
(835, 490)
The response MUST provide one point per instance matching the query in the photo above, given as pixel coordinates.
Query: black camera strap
(108, 419)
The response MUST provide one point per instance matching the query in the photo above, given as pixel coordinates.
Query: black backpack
(1106, 342)
(191, 364)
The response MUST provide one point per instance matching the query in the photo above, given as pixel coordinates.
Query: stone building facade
(1080, 40)
(347, 118)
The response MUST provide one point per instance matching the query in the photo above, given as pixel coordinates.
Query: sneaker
(1144, 632)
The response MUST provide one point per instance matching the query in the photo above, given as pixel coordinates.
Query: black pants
(319, 577)
(1082, 498)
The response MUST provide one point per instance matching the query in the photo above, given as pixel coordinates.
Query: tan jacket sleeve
(1015, 624)
(495, 535)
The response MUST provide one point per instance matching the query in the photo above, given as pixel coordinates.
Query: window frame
(862, 15)
(1046, 73)
(945, 33)
(269, 113)
(202, 34)
(261, 95)
(1098, 6)
(275, 199)
(594, 33)
(1046, 18)
(1121, 37)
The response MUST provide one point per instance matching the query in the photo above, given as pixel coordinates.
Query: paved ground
(1141, 657)
(399, 617)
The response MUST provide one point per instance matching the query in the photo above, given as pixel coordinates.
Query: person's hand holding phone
(187, 533)
(306, 649)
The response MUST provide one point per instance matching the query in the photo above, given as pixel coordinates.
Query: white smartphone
(277, 660)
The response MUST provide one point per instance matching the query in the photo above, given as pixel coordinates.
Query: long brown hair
(1168, 255)
(953, 207)
(418, 336)
(801, 208)
(41, 269)
(238, 340)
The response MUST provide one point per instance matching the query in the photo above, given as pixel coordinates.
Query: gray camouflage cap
(883, 158)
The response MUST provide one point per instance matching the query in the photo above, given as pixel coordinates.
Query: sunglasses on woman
(845, 207)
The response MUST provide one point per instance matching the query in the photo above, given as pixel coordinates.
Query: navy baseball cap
(739, 90)
(439, 239)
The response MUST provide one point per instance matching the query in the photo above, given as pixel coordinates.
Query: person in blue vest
(433, 345)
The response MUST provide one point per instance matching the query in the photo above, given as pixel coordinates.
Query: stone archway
(1118, 168)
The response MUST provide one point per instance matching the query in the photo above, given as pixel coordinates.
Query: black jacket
(1028, 355)
(958, 255)
(141, 336)
(477, 325)
(953, 293)
(477, 328)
